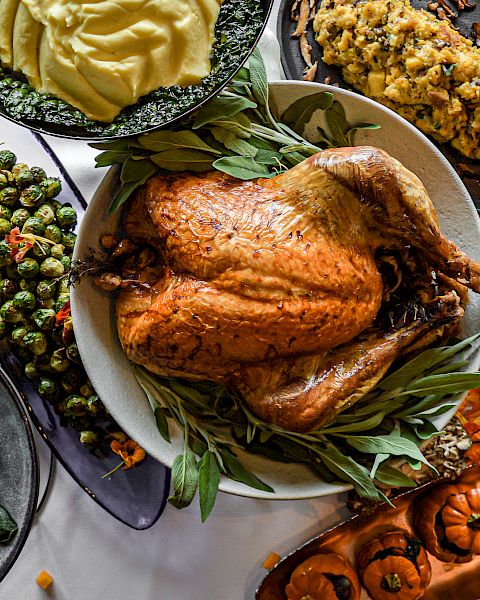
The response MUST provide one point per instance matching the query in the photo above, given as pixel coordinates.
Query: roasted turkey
(298, 291)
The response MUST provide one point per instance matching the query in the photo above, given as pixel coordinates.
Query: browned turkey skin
(274, 287)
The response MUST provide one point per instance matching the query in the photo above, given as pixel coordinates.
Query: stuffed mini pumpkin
(323, 577)
(448, 521)
(394, 566)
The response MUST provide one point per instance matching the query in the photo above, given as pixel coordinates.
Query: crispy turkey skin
(273, 286)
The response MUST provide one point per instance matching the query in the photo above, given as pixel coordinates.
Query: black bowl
(239, 27)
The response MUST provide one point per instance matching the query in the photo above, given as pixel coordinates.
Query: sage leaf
(301, 111)
(234, 143)
(393, 477)
(350, 134)
(268, 157)
(235, 470)
(445, 383)
(208, 481)
(377, 462)
(160, 141)
(258, 77)
(386, 444)
(243, 75)
(8, 527)
(423, 362)
(136, 170)
(162, 424)
(221, 108)
(242, 167)
(426, 430)
(111, 157)
(337, 123)
(359, 425)
(239, 124)
(183, 160)
(185, 479)
(124, 194)
(348, 470)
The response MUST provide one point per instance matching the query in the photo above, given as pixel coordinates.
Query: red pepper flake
(62, 314)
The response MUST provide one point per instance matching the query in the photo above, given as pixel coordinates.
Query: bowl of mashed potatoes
(113, 68)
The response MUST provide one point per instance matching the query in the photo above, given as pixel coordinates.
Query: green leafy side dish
(237, 133)
(238, 27)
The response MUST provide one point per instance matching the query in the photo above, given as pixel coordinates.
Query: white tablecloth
(91, 556)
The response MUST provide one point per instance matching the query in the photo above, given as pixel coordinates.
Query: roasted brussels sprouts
(68, 240)
(67, 217)
(34, 225)
(61, 301)
(42, 249)
(59, 361)
(11, 269)
(45, 213)
(10, 313)
(79, 423)
(5, 227)
(36, 342)
(38, 173)
(28, 268)
(56, 251)
(8, 288)
(87, 389)
(71, 380)
(19, 217)
(53, 233)
(31, 370)
(66, 262)
(77, 405)
(18, 334)
(51, 267)
(24, 300)
(7, 159)
(9, 196)
(5, 254)
(47, 303)
(95, 407)
(27, 285)
(16, 168)
(3, 329)
(51, 187)
(5, 212)
(31, 196)
(3, 180)
(89, 437)
(73, 353)
(44, 318)
(46, 289)
(47, 388)
(23, 177)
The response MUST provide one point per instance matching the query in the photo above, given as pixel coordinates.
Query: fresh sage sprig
(237, 132)
(359, 447)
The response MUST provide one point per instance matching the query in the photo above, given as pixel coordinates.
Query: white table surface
(91, 556)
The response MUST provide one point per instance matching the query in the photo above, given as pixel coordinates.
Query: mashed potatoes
(408, 60)
(102, 55)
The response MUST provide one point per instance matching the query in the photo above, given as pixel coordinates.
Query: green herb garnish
(236, 133)
(390, 422)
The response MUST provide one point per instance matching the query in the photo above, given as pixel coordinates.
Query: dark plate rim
(282, 9)
(34, 472)
(99, 138)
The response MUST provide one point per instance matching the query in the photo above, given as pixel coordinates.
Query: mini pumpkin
(394, 566)
(323, 577)
(448, 521)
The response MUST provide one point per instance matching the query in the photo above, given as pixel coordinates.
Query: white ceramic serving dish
(93, 311)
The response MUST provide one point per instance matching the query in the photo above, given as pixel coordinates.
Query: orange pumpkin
(461, 517)
(447, 520)
(394, 566)
(323, 577)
